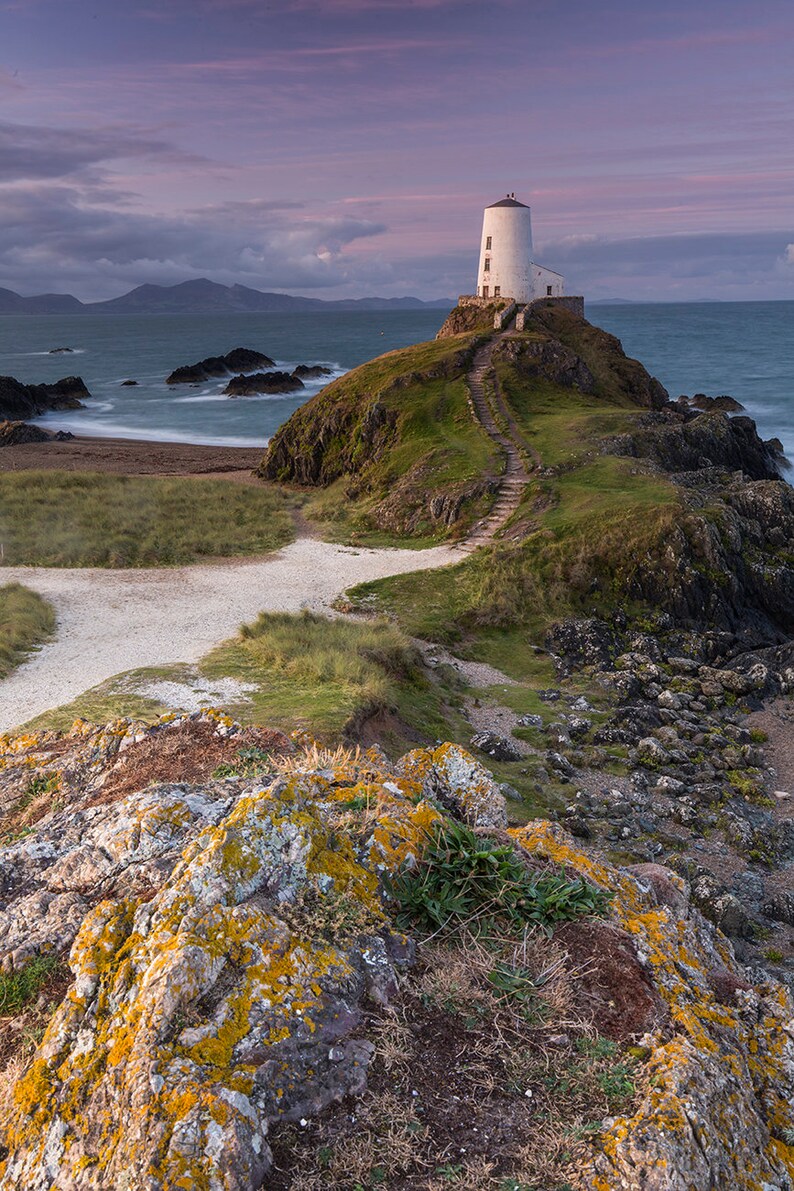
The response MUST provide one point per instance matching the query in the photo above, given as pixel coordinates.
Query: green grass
(378, 489)
(64, 519)
(27, 620)
(18, 989)
(309, 672)
(110, 700)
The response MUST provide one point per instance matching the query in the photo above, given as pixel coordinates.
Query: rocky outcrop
(468, 320)
(237, 360)
(19, 401)
(227, 937)
(316, 450)
(263, 382)
(699, 442)
(718, 1109)
(14, 433)
(546, 359)
(617, 376)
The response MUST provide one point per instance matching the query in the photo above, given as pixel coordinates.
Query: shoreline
(133, 457)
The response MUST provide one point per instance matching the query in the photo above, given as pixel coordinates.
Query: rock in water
(58, 351)
(311, 371)
(237, 360)
(19, 401)
(263, 382)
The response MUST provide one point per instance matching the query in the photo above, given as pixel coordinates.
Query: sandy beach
(133, 457)
(110, 621)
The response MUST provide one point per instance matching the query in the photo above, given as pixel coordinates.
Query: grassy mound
(26, 620)
(329, 677)
(73, 519)
(392, 446)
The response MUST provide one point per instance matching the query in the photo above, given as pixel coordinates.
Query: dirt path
(115, 620)
(494, 415)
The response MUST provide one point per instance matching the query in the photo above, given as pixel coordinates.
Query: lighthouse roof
(506, 202)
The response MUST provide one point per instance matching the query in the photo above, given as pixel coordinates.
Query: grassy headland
(73, 519)
(391, 447)
(26, 621)
(585, 527)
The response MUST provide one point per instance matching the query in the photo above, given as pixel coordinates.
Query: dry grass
(469, 1089)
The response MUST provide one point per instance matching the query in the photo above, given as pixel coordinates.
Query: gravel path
(115, 620)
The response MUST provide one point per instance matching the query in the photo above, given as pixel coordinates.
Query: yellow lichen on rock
(723, 1066)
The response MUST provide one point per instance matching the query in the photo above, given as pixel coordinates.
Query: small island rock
(125, 384)
(59, 351)
(263, 382)
(238, 359)
(311, 371)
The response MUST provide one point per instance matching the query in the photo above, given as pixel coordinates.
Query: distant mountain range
(201, 297)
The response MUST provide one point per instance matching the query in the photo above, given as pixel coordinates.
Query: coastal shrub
(75, 519)
(465, 879)
(26, 620)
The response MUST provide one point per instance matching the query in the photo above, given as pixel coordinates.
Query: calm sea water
(109, 349)
(745, 349)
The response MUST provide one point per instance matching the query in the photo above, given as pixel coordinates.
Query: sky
(342, 148)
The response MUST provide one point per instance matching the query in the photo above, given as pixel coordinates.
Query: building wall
(506, 267)
(546, 283)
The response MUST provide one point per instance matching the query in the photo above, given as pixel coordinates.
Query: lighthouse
(507, 269)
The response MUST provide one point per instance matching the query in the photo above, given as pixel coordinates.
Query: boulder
(12, 433)
(496, 746)
(263, 382)
(311, 371)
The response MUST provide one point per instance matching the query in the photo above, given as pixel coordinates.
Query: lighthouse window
(548, 291)
(487, 242)
(497, 290)
(487, 265)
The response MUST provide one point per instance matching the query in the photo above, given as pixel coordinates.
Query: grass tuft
(26, 621)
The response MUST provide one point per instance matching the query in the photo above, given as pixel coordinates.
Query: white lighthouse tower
(506, 266)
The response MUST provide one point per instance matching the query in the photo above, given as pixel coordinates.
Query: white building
(507, 269)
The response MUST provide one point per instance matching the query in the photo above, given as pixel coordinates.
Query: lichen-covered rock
(719, 1106)
(223, 938)
(452, 776)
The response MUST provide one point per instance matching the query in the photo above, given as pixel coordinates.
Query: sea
(743, 349)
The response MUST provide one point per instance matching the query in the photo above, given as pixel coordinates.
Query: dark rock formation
(14, 433)
(263, 382)
(708, 440)
(548, 359)
(723, 404)
(128, 383)
(19, 401)
(234, 361)
(58, 351)
(311, 371)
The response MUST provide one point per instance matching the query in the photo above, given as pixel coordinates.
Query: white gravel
(115, 620)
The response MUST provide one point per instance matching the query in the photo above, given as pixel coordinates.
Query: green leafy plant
(467, 879)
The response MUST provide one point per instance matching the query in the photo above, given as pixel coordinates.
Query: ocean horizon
(744, 349)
